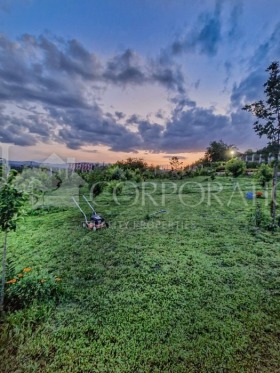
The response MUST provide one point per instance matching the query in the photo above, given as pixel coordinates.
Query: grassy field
(190, 290)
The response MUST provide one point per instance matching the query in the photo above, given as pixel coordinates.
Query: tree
(249, 151)
(11, 203)
(175, 163)
(268, 123)
(236, 167)
(133, 164)
(218, 151)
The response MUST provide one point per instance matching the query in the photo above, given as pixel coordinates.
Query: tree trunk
(274, 189)
(4, 259)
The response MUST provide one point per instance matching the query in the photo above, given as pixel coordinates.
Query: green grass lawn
(192, 290)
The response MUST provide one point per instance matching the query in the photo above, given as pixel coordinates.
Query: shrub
(253, 165)
(115, 187)
(115, 173)
(97, 188)
(235, 167)
(264, 174)
(30, 286)
(189, 173)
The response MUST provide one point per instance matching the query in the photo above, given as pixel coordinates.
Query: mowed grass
(191, 290)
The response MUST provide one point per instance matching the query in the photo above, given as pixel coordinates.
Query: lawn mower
(96, 221)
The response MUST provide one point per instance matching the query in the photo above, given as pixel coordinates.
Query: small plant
(28, 286)
(258, 218)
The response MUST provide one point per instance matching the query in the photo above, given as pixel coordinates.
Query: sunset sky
(103, 80)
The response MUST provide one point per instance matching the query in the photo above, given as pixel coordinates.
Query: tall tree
(268, 123)
(218, 151)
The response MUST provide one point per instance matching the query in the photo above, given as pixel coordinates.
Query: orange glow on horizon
(98, 154)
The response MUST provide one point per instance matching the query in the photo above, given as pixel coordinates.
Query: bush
(97, 188)
(189, 173)
(235, 167)
(253, 165)
(115, 187)
(264, 174)
(115, 173)
(30, 286)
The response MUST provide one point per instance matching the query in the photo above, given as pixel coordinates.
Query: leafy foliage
(218, 151)
(264, 174)
(115, 187)
(133, 164)
(236, 167)
(268, 122)
(11, 203)
(30, 286)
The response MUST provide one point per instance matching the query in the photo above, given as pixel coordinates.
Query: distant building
(258, 157)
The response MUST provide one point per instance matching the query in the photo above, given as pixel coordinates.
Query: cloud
(172, 155)
(251, 87)
(15, 131)
(92, 127)
(69, 57)
(188, 130)
(48, 89)
(125, 68)
(62, 73)
(120, 115)
(167, 73)
(235, 15)
(204, 37)
(56, 81)
(267, 51)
